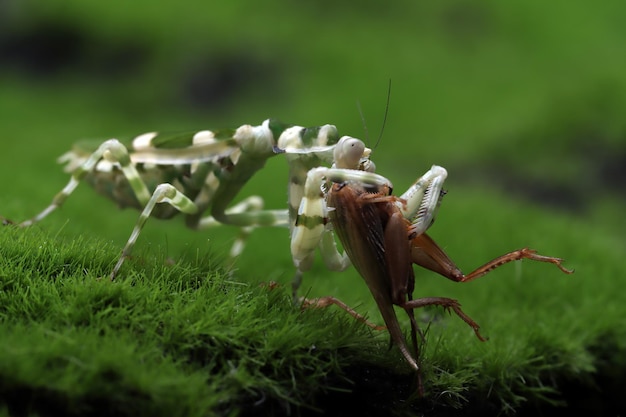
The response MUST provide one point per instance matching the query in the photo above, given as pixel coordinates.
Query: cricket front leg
(323, 302)
(335, 261)
(426, 253)
(448, 304)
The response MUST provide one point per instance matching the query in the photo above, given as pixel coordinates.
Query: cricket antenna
(382, 129)
(367, 136)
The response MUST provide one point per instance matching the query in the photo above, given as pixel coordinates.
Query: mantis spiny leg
(421, 201)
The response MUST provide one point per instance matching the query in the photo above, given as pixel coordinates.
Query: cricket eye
(348, 152)
(367, 165)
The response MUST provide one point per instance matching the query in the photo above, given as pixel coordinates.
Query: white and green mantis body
(202, 172)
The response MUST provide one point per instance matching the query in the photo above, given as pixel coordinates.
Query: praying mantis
(192, 173)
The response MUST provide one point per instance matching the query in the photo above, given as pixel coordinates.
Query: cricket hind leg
(426, 253)
(524, 253)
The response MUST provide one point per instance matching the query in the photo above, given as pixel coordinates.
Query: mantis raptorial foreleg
(423, 198)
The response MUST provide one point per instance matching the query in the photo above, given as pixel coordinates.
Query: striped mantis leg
(384, 235)
(308, 227)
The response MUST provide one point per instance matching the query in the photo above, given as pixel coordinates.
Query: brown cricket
(383, 245)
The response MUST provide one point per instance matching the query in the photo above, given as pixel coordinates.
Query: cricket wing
(398, 256)
(359, 225)
(360, 230)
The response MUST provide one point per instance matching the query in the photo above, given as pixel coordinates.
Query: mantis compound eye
(348, 153)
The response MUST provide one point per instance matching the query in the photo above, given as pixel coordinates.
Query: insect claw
(557, 262)
(6, 222)
(270, 285)
(278, 150)
(467, 319)
(323, 302)
(532, 254)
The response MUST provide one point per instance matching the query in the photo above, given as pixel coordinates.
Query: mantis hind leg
(111, 150)
(116, 153)
(164, 193)
(248, 211)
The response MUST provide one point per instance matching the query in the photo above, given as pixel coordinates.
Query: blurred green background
(522, 99)
(523, 102)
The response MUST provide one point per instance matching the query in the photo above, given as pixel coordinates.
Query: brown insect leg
(447, 303)
(517, 255)
(324, 302)
(426, 253)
